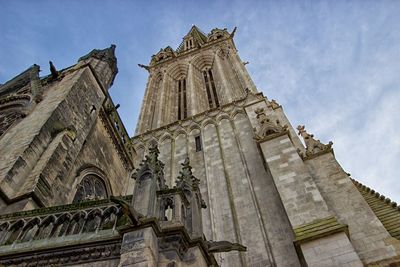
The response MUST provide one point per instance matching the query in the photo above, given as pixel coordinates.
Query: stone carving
(188, 183)
(217, 34)
(267, 125)
(144, 67)
(313, 146)
(273, 104)
(224, 246)
(165, 53)
(151, 164)
(53, 70)
(58, 224)
(66, 256)
(128, 210)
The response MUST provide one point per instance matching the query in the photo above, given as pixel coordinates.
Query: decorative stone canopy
(313, 146)
(268, 125)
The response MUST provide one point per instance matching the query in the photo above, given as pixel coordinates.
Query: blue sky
(333, 65)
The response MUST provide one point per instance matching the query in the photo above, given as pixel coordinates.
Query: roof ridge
(386, 210)
(371, 191)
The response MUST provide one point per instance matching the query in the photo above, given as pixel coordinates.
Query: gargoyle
(144, 67)
(224, 246)
(128, 210)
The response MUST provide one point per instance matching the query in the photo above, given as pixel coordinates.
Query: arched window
(90, 188)
(210, 89)
(182, 101)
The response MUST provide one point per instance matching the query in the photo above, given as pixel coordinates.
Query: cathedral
(215, 174)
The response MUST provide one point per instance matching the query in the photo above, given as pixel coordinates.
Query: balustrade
(59, 225)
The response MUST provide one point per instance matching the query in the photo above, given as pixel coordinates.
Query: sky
(334, 66)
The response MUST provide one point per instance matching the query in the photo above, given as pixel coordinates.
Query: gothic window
(182, 100)
(90, 188)
(198, 143)
(210, 89)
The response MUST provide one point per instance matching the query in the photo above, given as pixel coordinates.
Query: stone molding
(317, 229)
(198, 121)
(66, 255)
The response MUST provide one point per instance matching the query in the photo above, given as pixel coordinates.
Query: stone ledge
(317, 229)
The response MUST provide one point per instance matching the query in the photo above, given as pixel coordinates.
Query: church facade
(215, 174)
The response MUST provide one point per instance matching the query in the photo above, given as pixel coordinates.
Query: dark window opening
(182, 100)
(198, 143)
(210, 89)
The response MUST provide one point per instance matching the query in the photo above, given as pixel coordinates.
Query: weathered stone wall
(368, 235)
(68, 131)
(242, 202)
(99, 152)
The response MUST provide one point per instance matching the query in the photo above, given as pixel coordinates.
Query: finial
(313, 146)
(233, 32)
(53, 70)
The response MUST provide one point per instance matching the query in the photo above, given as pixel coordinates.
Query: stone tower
(290, 204)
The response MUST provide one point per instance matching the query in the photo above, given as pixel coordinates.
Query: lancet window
(153, 102)
(90, 188)
(210, 88)
(182, 99)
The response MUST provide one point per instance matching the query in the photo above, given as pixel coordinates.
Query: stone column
(192, 108)
(225, 87)
(161, 105)
(139, 249)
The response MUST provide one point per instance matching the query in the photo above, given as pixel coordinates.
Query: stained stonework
(218, 174)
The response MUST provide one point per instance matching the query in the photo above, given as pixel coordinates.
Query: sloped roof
(387, 211)
(197, 34)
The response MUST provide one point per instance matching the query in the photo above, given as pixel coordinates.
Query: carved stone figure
(224, 246)
(128, 210)
(313, 146)
(267, 125)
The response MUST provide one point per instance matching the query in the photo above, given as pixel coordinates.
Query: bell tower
(287, 200)
(204, 73)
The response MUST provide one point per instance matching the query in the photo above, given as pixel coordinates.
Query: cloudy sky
(333, 65)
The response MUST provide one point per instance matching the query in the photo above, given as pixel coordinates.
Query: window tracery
(210, 88)
(90, 188)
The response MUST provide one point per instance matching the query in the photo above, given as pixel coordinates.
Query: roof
(387, 211)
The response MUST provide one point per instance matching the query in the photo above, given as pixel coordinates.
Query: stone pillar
(192, 108)
(139, 249)
(161, 104)
(226, 90)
